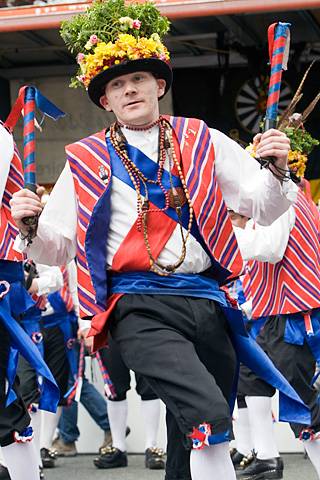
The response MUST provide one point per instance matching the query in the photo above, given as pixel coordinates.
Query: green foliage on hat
(102, 19)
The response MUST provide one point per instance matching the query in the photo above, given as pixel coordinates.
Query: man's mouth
(134, 102)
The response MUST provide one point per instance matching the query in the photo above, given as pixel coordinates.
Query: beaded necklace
(166, 147)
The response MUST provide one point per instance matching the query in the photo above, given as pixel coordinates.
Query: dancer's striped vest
(90, 165)
(8, 229)
(293, 284)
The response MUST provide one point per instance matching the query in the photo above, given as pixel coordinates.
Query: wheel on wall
(251, 102)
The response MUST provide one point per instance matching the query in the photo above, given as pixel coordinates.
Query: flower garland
(126, 47)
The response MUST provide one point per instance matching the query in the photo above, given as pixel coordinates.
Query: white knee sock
(49, 423)
(118, 414)
(242, 432)
(150, 410)
(313, 451)
(36, 426)
(22, 461)
(213, 462)
(261, 427)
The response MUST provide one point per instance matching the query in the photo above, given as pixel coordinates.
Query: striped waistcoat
(90, 165)
(293, 284)
(8, 229)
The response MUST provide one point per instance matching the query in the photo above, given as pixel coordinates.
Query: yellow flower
(125, 40)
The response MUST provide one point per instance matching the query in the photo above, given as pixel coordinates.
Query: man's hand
(25, 204)
(273, 143)
(88, 341)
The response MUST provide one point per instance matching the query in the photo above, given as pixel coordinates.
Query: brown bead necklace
(166, 147)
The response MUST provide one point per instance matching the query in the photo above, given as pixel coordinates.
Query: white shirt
(246, 189)
(50, 279)
(266, 244)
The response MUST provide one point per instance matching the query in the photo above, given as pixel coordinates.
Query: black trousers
(120, 374)
(182, 347)
(14, 417)
(56, 359)
(295, 362)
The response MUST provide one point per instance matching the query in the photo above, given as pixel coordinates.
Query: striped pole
(108, 385)
(29, 140)
(279, 44)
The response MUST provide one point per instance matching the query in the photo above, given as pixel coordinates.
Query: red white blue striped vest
(8, 229)
(293, 284)
(90, 156)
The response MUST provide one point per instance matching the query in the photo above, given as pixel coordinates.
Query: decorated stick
(28, 99)
(279, 44)
(29, 140)
(108, 385)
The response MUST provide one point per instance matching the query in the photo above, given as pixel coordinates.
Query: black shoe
(111, 458)
(236, 458)
(154, 458)
(4, 474)
(48, 458)
(41, 474)
(272, 468)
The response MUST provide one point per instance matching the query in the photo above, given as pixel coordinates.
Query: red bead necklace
(137, 128)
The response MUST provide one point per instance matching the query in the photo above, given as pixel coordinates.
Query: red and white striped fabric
(8, 229)
(65, 291)
(293, 284)
(194, 148)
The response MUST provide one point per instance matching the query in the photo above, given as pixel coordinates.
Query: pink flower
(136, 24)
(93, 39)
(80, 57)
(81, 78)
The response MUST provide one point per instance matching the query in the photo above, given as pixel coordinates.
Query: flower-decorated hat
(112, 39)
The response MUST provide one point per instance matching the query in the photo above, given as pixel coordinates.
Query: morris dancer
(285, 289)
(115, 455)
(168, 316)
(52, 325)
(15, 431)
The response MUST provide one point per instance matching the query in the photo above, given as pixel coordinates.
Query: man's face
(133, 98)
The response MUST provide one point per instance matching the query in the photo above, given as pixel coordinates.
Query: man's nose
(130, 87)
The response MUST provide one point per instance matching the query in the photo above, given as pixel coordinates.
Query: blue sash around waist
(291, 407)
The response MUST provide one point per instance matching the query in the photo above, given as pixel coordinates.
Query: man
(283, 283)
(165, 218)
(15, 431)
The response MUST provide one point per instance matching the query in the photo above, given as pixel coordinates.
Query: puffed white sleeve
(247, 188)
(50, 279)
(55, 243)
(266, 243)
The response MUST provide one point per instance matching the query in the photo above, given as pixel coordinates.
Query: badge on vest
(104, 175)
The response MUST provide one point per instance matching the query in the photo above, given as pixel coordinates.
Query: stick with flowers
(292, 124)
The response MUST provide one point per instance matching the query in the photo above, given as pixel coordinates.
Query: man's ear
(161, 86)
(104, 102)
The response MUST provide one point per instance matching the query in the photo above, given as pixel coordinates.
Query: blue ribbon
(47, 107)
(22, 343)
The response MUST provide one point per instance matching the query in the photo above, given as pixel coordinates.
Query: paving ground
(82, 468)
